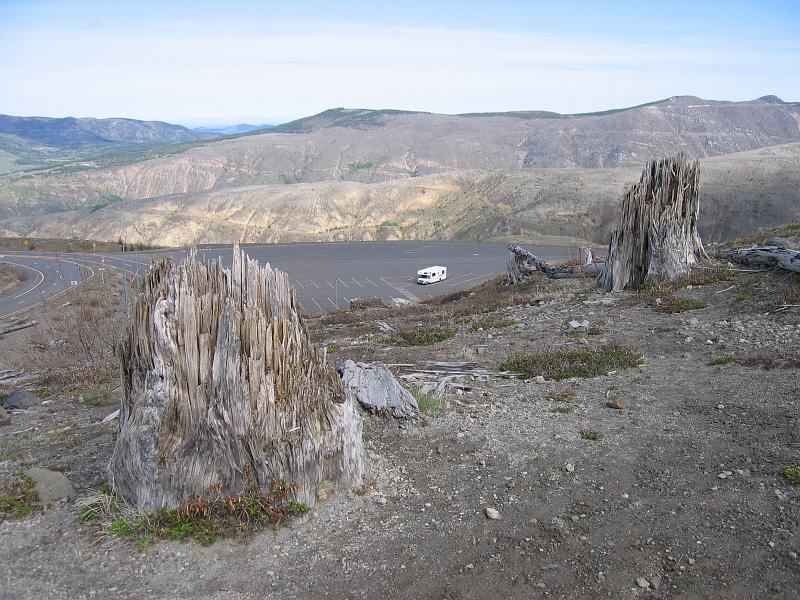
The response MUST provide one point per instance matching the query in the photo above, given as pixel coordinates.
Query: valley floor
(678, 495)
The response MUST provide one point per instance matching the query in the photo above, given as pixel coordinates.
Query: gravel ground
(680, 496)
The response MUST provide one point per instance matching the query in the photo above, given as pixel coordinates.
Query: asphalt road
(325, 276)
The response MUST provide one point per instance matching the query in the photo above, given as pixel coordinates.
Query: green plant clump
(580, 362)
(422, 336)
(792, 474)
(428, 405)
(493, 323)
(18, 497)
(722, 360)
(675, 304)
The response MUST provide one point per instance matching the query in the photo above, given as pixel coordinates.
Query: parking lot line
(314, 282)
(314, 300)
(330, 284)
(357, 281)
(372, 282)
(343, 283)
(332, 302)
(302, 287)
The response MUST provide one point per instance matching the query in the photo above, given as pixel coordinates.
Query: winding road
(325, 275)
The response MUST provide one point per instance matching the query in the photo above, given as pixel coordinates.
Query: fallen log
(769, 256)
(17, 326)
(522, 263)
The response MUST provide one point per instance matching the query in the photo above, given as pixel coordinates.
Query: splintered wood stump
(657, 235)
(223, 389)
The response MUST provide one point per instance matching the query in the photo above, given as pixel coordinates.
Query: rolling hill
(388, 174)
(36, 142)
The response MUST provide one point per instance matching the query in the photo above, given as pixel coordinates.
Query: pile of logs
(223, 389)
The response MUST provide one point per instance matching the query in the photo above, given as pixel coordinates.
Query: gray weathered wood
(657, 235)
(223, 389)
(522, 262)
(770, 256)
(377, 390)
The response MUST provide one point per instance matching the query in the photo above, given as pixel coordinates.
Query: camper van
(431, 275)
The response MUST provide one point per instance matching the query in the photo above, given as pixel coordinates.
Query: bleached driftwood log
(223, 389)
(522, 263)
(657, 235)
(770, 256)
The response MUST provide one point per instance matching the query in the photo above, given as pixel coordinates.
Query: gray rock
(21, 400)
(377, 389)
(51, 485)
(491, 513)
(620, 403)
(581, 326)
(642, 583)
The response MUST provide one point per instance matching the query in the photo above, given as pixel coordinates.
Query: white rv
(431, 275)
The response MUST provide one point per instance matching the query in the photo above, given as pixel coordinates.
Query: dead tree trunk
(657, 235)
(522, 263)
(223, 389)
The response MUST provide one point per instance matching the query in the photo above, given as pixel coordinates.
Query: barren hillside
(740, 192)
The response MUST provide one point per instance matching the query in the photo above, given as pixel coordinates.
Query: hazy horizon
(202, 64)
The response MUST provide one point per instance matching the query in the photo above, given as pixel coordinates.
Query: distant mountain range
(232, 129)
(36, 142)
(522, 172)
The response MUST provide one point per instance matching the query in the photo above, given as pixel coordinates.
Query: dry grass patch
(493, 323)
(676, 304)
(365, 303)
(422, 335)
(573, 362)
(769, 361)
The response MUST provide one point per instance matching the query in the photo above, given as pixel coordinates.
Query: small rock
(380, 500)
(51, 485)
(540, 379)
(692, 561)
(793, 555)
(491, 513)
(570, 468)
(620, 403)
(642, 583)
(720, 406)
(21, 401)
(655, 582)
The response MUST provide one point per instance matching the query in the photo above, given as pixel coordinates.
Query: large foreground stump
(223, 389)
(657, 235)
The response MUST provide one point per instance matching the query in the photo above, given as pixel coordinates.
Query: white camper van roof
(428, 270)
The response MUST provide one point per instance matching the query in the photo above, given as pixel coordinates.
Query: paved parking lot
(326, 276)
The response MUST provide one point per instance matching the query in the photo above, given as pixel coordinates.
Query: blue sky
(225, 62)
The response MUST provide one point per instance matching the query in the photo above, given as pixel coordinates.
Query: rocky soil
(514, 488)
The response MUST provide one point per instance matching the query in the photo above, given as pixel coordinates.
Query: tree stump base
(223, 390)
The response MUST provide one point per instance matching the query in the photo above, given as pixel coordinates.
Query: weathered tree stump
(657, 235)
(223, 389)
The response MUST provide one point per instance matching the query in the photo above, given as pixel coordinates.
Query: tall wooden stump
(657, 235)
(223, 389)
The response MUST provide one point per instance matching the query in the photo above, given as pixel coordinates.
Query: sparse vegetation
(564, 409)
(17, 497)
(428, 405)
(493, 323)
(676, 304)
(740, 298)
(582, 362)
(590, 434)
(203, 520)
(364, 303)
(792, 474)
(422, 336)
(725, 359)
(769, 361)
